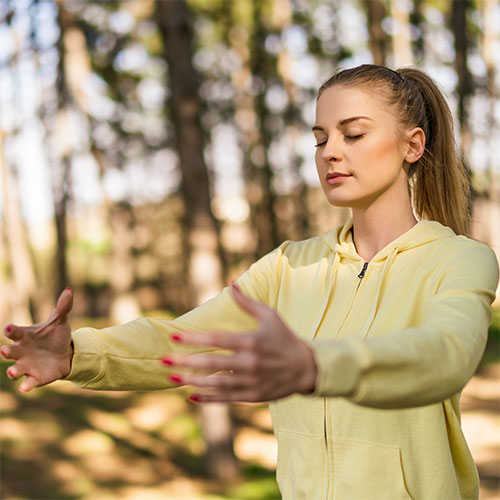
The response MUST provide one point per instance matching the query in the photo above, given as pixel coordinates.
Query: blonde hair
(439, 186)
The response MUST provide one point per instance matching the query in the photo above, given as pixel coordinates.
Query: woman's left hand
(267, 364)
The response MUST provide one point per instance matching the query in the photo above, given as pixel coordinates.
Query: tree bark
(61, 162)
(459, 10)
(21, 265)
(205, 272)
(375, 13)
(401, 38)
(461, 40)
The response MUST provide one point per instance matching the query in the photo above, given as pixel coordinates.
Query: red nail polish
(176, 379)
(69, 288)
(167, 361)
(176, 337)
(194, 398)
(9, 373)
(9, 328)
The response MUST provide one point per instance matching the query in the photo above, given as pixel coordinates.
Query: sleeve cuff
(86, 365)
(340, 366)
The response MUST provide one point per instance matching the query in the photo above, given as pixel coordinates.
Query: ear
(415, 145)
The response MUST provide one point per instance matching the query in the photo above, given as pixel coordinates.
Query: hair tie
(399, 75)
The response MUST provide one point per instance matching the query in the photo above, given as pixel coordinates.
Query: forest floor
(65, 443)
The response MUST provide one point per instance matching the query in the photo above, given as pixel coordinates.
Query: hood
(341, 242)
(340, 239)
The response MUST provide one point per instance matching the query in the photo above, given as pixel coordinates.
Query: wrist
(309, 373)
(68, 360)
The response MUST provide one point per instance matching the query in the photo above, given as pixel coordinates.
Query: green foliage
(492, 351)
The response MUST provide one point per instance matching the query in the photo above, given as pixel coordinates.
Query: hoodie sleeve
(126, 357)
(425, 364)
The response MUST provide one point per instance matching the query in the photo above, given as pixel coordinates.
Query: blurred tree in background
(150, 151)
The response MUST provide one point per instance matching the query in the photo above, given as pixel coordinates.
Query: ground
(64, 443)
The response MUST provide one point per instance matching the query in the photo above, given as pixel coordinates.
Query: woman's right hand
(43, 352)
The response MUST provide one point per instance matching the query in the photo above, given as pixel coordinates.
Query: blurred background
(150, 151)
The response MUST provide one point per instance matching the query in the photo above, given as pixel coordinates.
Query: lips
(334, 175)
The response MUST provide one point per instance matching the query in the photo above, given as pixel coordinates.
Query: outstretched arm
(266, 364)
(42, 352)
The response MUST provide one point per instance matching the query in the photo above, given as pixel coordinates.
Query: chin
(340, 201)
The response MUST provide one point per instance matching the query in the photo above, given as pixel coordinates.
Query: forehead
(337, 103)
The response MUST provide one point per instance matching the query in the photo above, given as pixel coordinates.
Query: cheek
(380, 154)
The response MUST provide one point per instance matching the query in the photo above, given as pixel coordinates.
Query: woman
(361, 339)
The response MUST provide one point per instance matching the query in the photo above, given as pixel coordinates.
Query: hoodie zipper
(329, 452)
(361, 275)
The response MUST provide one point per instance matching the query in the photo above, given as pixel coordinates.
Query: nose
(331, 151)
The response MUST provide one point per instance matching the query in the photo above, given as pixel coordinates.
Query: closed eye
(348, 137)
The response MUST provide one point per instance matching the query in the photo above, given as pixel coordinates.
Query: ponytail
(439, 186)
(439, 182)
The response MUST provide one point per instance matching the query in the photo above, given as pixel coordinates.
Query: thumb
(252, 307)
(64, 302)
(28, 383)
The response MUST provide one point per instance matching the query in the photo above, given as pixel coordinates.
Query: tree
(205, 272)
(375, 13)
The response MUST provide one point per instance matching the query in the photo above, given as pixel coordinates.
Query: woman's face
(359, 154)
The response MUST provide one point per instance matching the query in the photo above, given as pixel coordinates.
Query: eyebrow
(345, 121)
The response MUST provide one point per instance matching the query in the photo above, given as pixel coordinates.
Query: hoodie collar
(340, 239)
(341, 242)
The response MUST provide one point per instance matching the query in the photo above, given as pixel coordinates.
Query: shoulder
(463, 248)
(469, 259)
(310, 249)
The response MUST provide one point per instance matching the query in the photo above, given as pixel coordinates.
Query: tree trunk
(23, 284)
(401, 38)
(375, 13)
(296, 225)
(61, 162)
(459, 27)
(461, 40)
(124, 304)
(263, 198)
(417, 20)
(205, 273)
(487, 205)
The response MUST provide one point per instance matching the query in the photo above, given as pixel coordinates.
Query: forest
(150, 152)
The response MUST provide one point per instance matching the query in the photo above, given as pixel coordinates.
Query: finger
(62, 309)
(10, 351)
(226, 397)
(252, 307)
(14, 332)
(64, 302)
(206, 362)
(223, 340)
(232, 381)
(15, 371)
(28, 383)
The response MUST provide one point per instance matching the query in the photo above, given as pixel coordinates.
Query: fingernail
(9, 328)
(167, 361)
(10, 374)
(176, 379)
(194, 398)
(176, 337)
(2, 351)
(69, 288)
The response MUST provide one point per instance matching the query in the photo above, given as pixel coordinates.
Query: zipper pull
(361, 275)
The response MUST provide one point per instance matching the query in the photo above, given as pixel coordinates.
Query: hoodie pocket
(302, 467)
(366, 471)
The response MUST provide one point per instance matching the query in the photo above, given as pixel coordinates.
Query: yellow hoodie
(395, 340)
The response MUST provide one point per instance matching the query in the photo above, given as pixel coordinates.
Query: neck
(374, 228)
